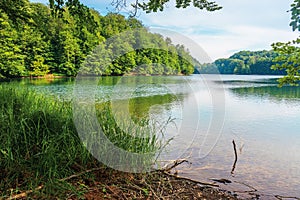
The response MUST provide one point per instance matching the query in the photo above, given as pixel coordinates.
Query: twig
(253, 188)
(136, 187)
(24, 194)
(112, 191)
(81, 173)
(176, 163)
(153, 192)
(235, 157)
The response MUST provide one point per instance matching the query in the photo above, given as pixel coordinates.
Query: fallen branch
(192, 180)
(167, 169)
(283, 197)
(235, 157)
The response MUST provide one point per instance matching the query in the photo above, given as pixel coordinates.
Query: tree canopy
(244, 62)
(36, 42)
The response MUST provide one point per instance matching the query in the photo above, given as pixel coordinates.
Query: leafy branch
(289, 53)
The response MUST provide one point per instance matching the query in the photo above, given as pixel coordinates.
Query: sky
(240, 25)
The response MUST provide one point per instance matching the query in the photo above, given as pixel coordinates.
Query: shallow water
(207, 113)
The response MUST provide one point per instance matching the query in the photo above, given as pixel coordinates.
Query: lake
(201, 115)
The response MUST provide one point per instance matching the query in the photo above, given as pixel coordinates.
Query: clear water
(207, 113)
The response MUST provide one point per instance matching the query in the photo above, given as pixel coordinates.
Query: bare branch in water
(235, 157)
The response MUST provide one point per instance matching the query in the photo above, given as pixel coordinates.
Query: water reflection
(39, 81)
(140, 107)
(273, 93)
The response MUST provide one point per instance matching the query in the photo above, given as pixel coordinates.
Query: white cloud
(40, 1)
(240, 25)
(241, 38)
(239, 12)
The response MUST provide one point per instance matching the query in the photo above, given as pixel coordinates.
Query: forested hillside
(244, 62)
(36, 41)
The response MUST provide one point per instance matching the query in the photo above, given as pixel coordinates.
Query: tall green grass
(135, 135)
(38, 139)
(39, 142)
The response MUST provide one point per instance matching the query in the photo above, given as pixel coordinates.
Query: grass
(132, 135)
(40, 145)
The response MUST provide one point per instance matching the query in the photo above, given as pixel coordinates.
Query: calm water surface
(207, 113)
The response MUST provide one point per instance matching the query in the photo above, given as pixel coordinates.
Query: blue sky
(240, 25)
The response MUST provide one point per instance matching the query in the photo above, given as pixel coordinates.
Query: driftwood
(166, 170)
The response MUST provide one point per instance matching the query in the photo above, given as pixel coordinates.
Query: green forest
(37, 40)
(245, 62)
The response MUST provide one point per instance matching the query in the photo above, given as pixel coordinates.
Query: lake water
(208, 112)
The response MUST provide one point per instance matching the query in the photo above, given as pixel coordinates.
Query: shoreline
(106, 183)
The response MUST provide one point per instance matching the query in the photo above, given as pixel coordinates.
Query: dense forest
(36, 40)
(245, 62)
